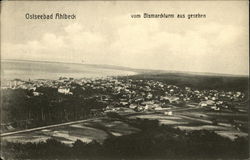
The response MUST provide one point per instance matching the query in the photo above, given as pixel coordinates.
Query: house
(132, 106)
(149, 96)
(64, 90)
(37, 93)
(171, 99)
(124, 103)
(169, 113)
(207, 103)
(215, 108)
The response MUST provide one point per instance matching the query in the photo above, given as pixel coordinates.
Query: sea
(18, 69)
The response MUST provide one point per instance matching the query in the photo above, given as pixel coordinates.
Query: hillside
(199, 81)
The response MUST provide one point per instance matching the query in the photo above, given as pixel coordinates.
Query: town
(113, 94)
(88, 110)
(137, 94)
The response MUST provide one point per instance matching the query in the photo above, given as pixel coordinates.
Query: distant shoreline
(139, 71)
(25, 69)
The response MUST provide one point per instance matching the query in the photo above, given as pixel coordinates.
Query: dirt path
(44, 127)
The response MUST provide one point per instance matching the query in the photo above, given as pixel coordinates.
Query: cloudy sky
(104, 33)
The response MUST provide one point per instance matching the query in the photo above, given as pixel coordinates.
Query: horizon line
(125, 67)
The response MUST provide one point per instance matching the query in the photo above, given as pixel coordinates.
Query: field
(95, 129)
(200, 119)
(99, 129)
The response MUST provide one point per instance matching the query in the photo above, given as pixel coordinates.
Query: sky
(104, 33)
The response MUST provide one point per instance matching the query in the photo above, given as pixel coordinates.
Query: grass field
(98, 130)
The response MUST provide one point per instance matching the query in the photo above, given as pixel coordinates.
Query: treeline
(218, 82)
(21, 109)
(152, 142)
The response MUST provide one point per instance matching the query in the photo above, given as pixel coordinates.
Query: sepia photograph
(124, 80)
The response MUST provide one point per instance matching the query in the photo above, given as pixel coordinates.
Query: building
(64, 90)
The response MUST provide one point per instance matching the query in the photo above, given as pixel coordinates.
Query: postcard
(124, 80)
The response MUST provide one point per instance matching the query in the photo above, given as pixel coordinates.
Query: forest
(21, 109)
(196, 81)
